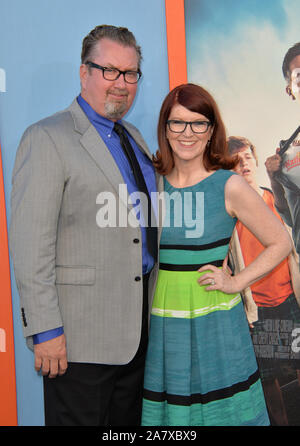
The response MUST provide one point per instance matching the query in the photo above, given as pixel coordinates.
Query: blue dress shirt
(105, 129)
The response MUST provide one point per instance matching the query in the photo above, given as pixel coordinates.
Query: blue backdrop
(40, 56)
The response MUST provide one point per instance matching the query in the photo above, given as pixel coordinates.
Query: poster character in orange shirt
(271, 306)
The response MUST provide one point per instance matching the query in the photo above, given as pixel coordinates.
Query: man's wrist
(48, 335)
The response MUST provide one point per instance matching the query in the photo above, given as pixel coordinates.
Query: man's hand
(51, 357)
(273, 164)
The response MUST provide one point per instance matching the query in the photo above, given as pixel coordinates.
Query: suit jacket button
(136, 240)
(24, 317)
(137, 278)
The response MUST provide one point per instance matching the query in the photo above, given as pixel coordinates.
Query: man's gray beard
(115, 110)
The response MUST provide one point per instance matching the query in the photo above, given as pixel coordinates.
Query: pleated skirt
(201, 368)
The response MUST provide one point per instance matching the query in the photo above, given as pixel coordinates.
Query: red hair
(196, 99)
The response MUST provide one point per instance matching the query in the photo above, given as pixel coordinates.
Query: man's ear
(83, 71)
(289, 92)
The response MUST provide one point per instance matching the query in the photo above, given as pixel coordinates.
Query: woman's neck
(186, 174)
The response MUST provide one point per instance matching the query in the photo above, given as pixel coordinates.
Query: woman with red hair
(201, 367)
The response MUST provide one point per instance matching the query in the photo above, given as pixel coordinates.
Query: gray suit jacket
(69, 271)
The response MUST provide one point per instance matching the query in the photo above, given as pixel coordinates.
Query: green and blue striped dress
(201, 368)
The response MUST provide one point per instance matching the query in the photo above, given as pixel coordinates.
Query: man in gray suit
(83, 284)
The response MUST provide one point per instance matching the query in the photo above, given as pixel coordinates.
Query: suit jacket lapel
(97, 149)
(94, 145)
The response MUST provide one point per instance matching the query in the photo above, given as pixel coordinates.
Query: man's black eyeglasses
(112, 74)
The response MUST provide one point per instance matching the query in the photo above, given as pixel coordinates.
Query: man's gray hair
(120, 35)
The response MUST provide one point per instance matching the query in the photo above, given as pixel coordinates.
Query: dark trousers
(98, 394)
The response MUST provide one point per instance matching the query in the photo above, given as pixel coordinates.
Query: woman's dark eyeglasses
(177, 126)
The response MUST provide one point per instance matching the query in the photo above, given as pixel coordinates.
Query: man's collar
(93, 116)
(82, 123)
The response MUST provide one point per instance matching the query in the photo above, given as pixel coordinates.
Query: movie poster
(235, 49)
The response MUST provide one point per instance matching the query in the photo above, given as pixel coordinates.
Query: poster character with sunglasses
(283, 168)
